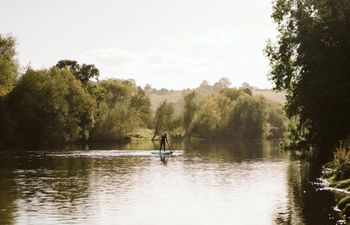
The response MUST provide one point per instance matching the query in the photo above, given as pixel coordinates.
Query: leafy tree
(148, 88)
(310, 61)
(222, 84)
(225, 105)
(123, 108)
(208, 118)
(190, 109)
(8, 64)
(113, 123)
(248, 91)
(50, 106)
(83, 72)
(276, 121)
(246, 85)
(247, 118)
(231, 93)
(164, 119)
(117, 91)
(141, 106)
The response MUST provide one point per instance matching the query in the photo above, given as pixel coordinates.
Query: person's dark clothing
(163, 139)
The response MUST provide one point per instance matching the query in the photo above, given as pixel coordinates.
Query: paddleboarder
(163, 139)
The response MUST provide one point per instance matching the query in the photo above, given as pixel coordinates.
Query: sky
(174, 44)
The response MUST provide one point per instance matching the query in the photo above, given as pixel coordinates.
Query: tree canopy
(8, 64)
(50, 106)
(83, 72)
(310, 60)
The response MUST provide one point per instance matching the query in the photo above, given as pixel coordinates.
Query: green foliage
(343, 202)
(8, 64)
(343, 184)
(83, 72)
(346, 210)
(247, 118)
(50, 106)
(276, 121)
(190, 109)
(141, 108)
(233, 113)
(164, 119)
(123, 107)
(231, 93)
(341, 155)
(310, 61)
(207, 120)
(342, 172)
(67, 103)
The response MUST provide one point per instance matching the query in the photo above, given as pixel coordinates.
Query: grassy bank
(338, 177)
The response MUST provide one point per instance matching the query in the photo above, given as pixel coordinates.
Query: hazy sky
(168, 43)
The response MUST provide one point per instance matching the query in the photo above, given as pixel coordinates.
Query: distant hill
(176, 96)
(278, 97)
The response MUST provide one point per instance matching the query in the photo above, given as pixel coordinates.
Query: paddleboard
(162, 153)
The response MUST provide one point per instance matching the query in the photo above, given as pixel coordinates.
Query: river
(205, 183)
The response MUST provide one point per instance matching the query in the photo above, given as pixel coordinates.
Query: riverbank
(337, 175)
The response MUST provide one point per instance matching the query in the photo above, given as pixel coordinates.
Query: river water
(211, 183)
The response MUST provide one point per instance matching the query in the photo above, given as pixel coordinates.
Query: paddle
(170, 147)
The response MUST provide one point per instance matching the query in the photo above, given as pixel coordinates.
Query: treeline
(68, 103)
(232, 113)
(204, 88)
(65, 103)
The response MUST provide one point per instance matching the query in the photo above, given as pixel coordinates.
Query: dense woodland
(310, 61)
(68, 103)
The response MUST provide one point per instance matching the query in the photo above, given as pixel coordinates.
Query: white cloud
(179, 61)
(155, 67)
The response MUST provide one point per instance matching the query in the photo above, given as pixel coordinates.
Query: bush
(341, 155)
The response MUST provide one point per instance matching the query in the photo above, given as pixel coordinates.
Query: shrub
(341, 155)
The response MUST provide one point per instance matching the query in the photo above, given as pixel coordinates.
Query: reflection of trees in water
(34, 183)
(230, 151)
(8, 192)
(293, 213)
(306, 205)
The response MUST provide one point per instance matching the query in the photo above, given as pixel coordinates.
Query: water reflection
(164, 159)
(242, 182)
(8, 192)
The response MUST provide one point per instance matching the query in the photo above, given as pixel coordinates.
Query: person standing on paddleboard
(163, 139)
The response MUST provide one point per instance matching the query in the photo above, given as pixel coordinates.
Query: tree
(222, 84)
(310, 61)
(50, 106)
(164, 119)
(275, 121)
(8, 64)
(246, 85)
(190, 109)
(116, 91)
(204, 84)
(247, 118)
(208, 118)
(148, 88)
(140, 104)
(232, 93)
(83, 72)
(123, 108)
